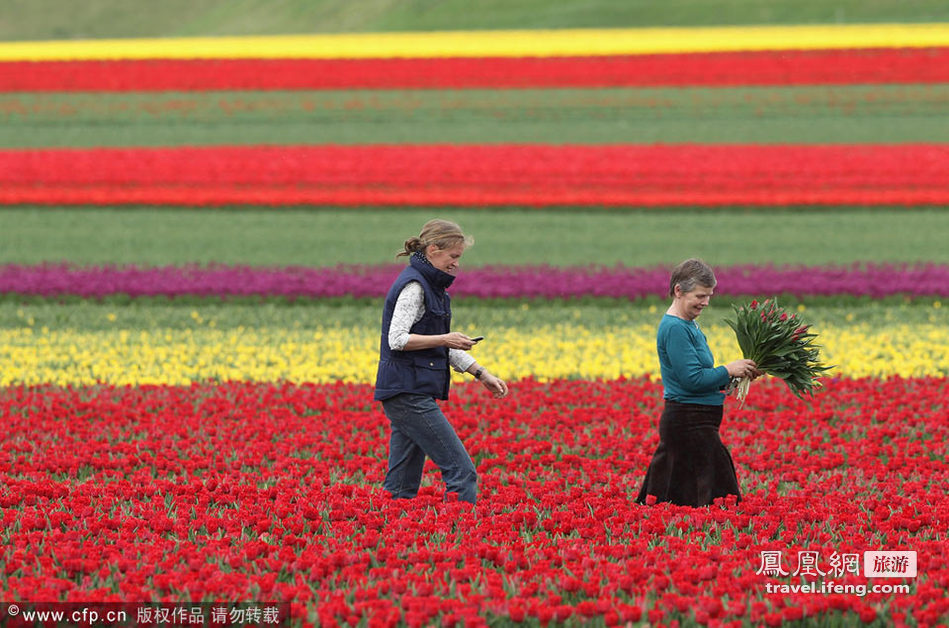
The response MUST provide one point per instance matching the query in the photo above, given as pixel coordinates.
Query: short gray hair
(689, 274)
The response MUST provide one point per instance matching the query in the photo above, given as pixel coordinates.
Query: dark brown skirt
(691, 466)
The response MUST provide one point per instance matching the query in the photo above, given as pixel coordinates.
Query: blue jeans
(420, 429)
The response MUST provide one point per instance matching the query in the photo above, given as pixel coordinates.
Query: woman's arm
(409, 309)
(695, 377)
(493, 383)
(688, 368)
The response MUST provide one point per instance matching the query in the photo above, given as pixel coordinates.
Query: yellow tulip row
(181, 356)
(510, 43)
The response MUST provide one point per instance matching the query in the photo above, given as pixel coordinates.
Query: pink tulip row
(869, 280)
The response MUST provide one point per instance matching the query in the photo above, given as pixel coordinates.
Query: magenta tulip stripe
(870, 280)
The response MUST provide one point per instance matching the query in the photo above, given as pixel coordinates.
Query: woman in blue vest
(691, 466)
(416, 350)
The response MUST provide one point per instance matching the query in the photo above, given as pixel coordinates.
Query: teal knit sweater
(689, 374)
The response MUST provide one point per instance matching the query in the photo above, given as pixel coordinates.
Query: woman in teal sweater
(691, 466)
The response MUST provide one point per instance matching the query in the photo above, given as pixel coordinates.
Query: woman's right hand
(457, 340)
(742, 368)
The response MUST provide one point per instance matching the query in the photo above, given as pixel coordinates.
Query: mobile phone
(477, 339)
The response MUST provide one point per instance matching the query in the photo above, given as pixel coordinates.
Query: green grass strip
(781, 114)
(327, 237)
(65, 19)
(112, 314)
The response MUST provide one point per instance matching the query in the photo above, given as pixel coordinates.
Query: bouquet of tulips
(780, 344)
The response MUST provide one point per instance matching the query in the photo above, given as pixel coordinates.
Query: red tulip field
(272, 491)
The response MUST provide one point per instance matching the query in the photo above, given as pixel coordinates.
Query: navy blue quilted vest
(424, 371)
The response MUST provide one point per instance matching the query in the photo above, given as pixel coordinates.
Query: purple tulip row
(872, 280)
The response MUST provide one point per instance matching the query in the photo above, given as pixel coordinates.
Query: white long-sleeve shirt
(409, 309)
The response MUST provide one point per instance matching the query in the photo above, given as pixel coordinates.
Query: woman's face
(445, 260)
(693, 302)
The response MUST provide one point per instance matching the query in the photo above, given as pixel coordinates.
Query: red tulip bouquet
(780, 344)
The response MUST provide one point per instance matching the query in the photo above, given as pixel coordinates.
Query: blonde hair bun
(444, 234)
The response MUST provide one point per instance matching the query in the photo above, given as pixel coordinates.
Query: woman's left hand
(496, 385)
